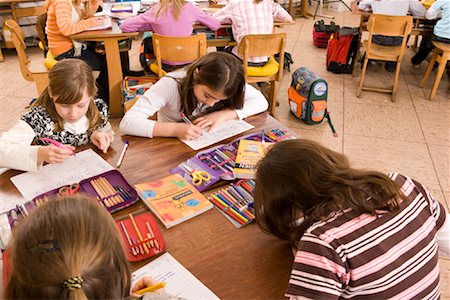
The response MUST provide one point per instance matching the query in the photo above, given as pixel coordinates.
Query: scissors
(69, 189)
(198, 177)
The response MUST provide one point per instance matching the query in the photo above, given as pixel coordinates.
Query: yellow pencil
(151, 288)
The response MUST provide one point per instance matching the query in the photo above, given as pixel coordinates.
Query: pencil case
(143, 241)
(109, 188)
(236, 202)
(219, 161)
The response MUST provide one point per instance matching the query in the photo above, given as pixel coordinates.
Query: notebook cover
(173, 199)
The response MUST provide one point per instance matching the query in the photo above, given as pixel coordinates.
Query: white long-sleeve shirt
(164, 98)
(16, 151)
(394, 7)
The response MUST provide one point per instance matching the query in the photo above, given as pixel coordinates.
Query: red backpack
(341, 52)
(321, 33)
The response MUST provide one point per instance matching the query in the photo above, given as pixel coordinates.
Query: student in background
(392, 8)
(441, 31)
(251, 17)
(354, 233)
(171, 18)
(210, 91)
(68, 248)
(66, 112)
(67, 17)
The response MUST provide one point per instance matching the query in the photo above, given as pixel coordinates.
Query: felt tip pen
(57, 144)
(122, 154)
(185, 119)
(152, 288)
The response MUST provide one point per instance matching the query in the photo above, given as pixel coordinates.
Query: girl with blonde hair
(67, 112)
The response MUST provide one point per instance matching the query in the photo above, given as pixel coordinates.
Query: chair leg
(395, 86)
(430, 67)
(363, 73)
(440, 71)
(273, 97)
(41, 81)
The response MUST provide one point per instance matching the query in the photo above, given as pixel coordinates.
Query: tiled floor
(410, 136)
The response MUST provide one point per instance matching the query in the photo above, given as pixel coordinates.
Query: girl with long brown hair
(67, 112)
(354, 233)
(209, 91)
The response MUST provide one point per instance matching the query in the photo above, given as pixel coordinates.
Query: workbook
(226, 130)
(180, 283)
(249, 153)
(172, 199)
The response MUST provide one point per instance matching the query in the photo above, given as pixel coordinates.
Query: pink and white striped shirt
(247, 17)
(393, 255)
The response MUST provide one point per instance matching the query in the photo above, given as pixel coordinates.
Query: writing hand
(54, 155)
(102, 140)
(188, 131)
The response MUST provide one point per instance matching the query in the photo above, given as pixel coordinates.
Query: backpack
(341, 52)
(321, 33)
(146, 54)
(287, 62)
(307, 96)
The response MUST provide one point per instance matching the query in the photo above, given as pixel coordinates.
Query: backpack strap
(327, 115)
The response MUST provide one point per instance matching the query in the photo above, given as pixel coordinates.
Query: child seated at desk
(170, 18)
(252, 17)
(66, 112)
(68, 248)
(67, 17)
(209, 91)
(441, 31)
(355, 233)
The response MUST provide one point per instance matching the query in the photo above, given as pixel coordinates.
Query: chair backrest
(41, 21)
(263, 45)
(178, 49)
(390, 25)
(17, 37)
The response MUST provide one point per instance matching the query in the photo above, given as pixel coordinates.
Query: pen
(57, 144)
(119, 162)
(185, 119)
(151, 288)
(262, 137)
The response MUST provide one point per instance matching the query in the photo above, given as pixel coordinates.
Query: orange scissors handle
(69, 189)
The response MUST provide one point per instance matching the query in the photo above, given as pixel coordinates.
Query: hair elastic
(73, 283)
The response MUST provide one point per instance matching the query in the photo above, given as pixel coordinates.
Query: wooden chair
(387, 26)
(441, 55)
(177, 49)
(264, 45)
(37, 73)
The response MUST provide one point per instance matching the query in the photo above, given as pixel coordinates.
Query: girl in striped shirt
(355, 233)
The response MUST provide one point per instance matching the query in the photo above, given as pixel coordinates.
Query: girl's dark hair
(64, 238)
(301, 178)
(219, 71)
(68, 80)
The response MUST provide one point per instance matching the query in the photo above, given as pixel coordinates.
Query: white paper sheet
(228, 129)
(180, 283)
(83, 165)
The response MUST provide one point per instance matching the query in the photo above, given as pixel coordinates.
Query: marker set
(141, 235)
(236, 202)
(219, 161)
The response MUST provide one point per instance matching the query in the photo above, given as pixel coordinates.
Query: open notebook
(180, 283)
(106, 24)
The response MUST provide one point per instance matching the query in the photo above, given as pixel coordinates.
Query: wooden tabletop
(234, 263)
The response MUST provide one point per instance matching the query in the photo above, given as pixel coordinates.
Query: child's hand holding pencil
(147, 285)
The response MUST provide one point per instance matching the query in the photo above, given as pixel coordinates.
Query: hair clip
(46, 246)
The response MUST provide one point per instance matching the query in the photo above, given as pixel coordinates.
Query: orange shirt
(60, 25)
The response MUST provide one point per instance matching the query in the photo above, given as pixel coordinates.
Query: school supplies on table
(85, 164)
(226, 130)
(122, 154)
(121, 7)
(236, 202)
(173, 199)
(107, 23)
(152, 288)
(219, 162)
(180, 283)
(141, 235)
(248, 154)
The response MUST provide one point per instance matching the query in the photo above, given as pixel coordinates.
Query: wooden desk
(234, 263)
(10, 7)
(110, 39)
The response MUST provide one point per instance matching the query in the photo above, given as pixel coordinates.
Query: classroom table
(234, 263)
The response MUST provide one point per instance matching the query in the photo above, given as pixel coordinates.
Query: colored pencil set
(141, 235)
(109, 195)
(236, 202)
